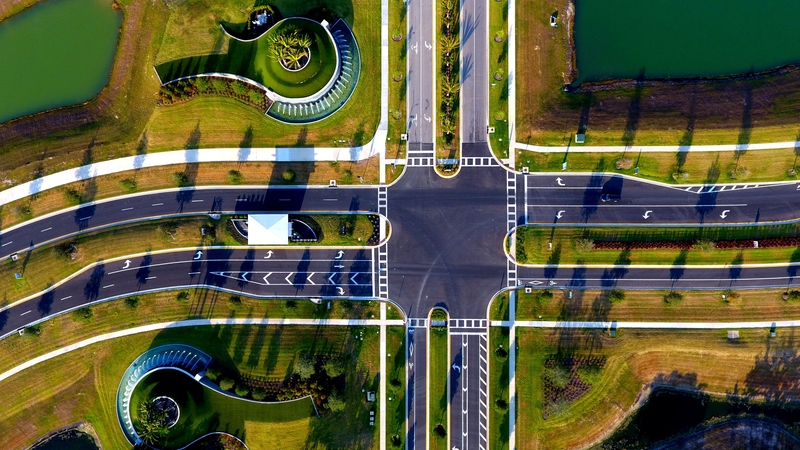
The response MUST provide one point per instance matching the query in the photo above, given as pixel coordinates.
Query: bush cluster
(185, 90)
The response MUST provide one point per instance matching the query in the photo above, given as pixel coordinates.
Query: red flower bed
(555, 395)
(779, 242)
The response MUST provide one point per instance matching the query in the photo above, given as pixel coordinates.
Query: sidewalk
(656, 148)
(278, 154)
(194, 323)
(648, 325)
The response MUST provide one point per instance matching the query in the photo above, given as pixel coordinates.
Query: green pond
(68, 440)
(56, 53)
(683, 38)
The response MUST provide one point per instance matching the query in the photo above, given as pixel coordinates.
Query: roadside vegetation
(448, 82)
(125, 119)
(82, 385)
(396, 387)
(498, 387)
(575, 387)
(43, 267)
(438, 371)
(398, 51)
(732, 246)
(498, 84)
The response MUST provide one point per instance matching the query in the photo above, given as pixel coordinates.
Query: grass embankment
(498, 387)
(55, 260)
(674, 167)
(398, 50)
(82, 385)
(499, 309)
(125, 121)
(690, 112)
(694, 306)
(498, 84)
(576, 246)
(396, 388)
(438, 370)
(448, 81)
(691, 359)
(206, 174)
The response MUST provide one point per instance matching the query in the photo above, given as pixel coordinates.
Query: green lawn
(204, 411)
(498, 68)
(438, 371)
(498, 388)
(695, 167)
(499, 309)
(533, 245)
(395, 148)
(82, 385)
(396, 388)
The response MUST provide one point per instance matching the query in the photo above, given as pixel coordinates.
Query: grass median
(82, 385)
(682, 246)
(498, 84)
(575, 387)
(498, 387)
(62, 259)
(438, 370)
(396, 389)
(398, 50)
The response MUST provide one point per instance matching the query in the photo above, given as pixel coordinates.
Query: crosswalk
(383, 254)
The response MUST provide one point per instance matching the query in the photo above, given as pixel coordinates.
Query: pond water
(56, 53)
(683, 38)
(68, 440)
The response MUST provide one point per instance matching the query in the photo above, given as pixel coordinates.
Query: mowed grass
(695, 167)
(696, 306)
(82, 385)
(499, 309)
(398, 50)
(498, 388)
(438, 370)
(396, 387)
(533, 247)
(206, 174)
(704, 360)
(498, 68)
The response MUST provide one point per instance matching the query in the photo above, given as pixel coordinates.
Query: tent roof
(268, 229)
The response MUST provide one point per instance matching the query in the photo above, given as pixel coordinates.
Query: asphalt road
(417, 387)
(201, 200)
(469, 388)
(277, 274)
(421, 103)
(474, 72)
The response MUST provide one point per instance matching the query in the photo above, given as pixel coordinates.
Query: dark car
(610, 197)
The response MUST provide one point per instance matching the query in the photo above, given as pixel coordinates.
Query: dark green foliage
(84, 313)
(616, 296)
(242, 391)
(132, 301)
(234, 302)
(259, 393)
(182, 296)
(673, 297)
(235, 177)
(128, 185)
(213, 373)
(72, 196)
(66, 251)
(334, 367)
(151, 425)
(181, 179)
(438, 314)
(289, 175)
(304, 366)
(226, 384)
(336, 403)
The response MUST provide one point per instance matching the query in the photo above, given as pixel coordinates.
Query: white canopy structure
(268, 229)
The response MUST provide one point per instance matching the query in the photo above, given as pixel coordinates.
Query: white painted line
(330, 199)
(283, 200)
(150, 278)
(65, 298)
(127, 209)
(84, 218)
(110, 285)
(600, 205)
(196, 201)
(194, 273)
(157, 204)
(26, 312)
(46, 229)
(7, 243)
(241, 199)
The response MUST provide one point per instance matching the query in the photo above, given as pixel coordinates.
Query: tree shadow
(552, 262)
(45, 304)
(688, 136)
(634, 112)
(586, 108)
(678, 268)
(245, 145)
(143, 273)
(591, 195)
(746, 129)
(193, 141)
(246, 266)
(92, 289)
(707, 199)
(301, 275)
(735, 269)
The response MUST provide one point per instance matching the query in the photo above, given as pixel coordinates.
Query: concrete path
(512, 89)
(655, 148)
(647, 325)
(194, 323)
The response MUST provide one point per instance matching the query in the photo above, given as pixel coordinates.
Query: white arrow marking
(552, 283)
(287, 277)
(340, 291)
(428, 46)
(244, 276)
(465, 390)
(265, 277)
(798, 187)
(725, 213)
(560, 214)
(269, 255)
(647, 214)
(410, 366)
(309, 278)
(411, 349)
(127, 264)
(339, 255)
(330, 278)
(456, 368)
(560, 181)
(198, 255)
(535, 283)
(339, 266)
(425, 116)
(353, 279)
(455, 448)
(414, 47)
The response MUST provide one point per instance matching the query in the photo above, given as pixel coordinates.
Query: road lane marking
(7, 243)
(65, 298)
(194, 273)
(110, 285)
(600, 205)
(127, 209)
(241, 199)
(283, 200)
(157, 204)
(150, 278)
(84, 218)
(196, 201)
(330, 199)
(46, 229)
(26, 312)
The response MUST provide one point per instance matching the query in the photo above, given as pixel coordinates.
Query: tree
(242, 391)
(182, 296)
(450, 86)
(238, 87)
(226, 384)
(449, 43)
(336, 403)
(304, 366)
(334, 367)
(259, 393)
(151, 425)
(132, 301)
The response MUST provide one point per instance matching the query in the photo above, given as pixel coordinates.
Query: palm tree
(448, 126)
(449, 43)
(293, 57)
(450, 86)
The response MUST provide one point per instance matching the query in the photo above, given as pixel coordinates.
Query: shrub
(170, 229)
(234, 302)
(704, 246)
(616, 296)
(291, 304)
(255, 96)
(132, 301)
(259, 393)
(202, 84)
(334, 367)
(396, 441)
(84, 313)
(213, 373)
(794, 296)
(66, 251)
(730, 295)
(501, 406)
(304, 366)
(546, 295)
(289, 175)
(673, 297)
(336, 403)
(584, 245)
(235, 177)
(181, 179)
(128, 185)
(624, 163)
(501, 353)
(590, 373)
(226, 384)
(238, 87)
(34, 330)
(182, 296)
(73, 196)
(219, 85)
(440, 430)
(438, 314)
(347, 176)
(558, 375)
(242, 391)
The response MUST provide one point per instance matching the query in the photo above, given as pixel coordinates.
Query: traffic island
(438, 372)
